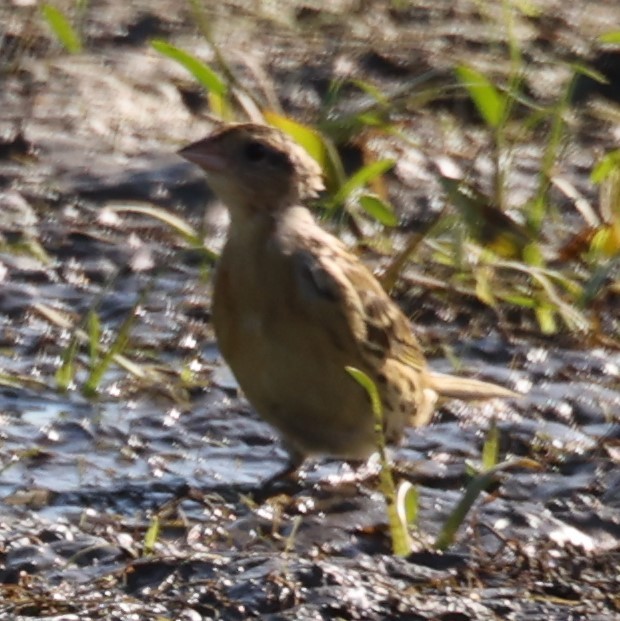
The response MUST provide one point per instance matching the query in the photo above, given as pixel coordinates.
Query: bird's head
(254, 168)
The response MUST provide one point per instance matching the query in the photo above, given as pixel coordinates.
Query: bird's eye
(255, 151)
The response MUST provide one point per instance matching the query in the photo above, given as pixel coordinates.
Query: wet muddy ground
(82, 478)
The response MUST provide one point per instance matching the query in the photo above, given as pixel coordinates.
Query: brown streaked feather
(347, 286)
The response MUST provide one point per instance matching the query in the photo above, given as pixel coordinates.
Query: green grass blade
(62, 28)
(608, 164)
(66, 371)
(381, 211)
(490, 449)
(476, 486)
(408, 503)
(401, 542)
(375, 401)
(314, 143)
(93, 327)
(178, 225)
(361, 178)
(490, 103)
(208, 78)
(370, 89)
(545, 315)
(590, 72)
(151, 536)
(610, 37)
(117, 347)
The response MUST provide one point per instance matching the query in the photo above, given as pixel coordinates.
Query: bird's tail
(466, 388)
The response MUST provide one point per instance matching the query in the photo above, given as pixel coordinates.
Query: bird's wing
(334, 288)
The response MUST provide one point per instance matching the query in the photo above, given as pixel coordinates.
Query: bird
(293, 308)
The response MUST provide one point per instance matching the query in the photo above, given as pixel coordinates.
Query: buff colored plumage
(292, 307)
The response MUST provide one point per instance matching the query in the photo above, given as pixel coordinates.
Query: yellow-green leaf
(490, 448)
(208, 78)
(528, 8)
(62, 28)
(151, 536)
(491, 104)
(484, 290)
(378, 209)
(607, 165)
(369, 386)
(314, 143)
(408, 503)
(532, 255)
(610, 37)
(519, 300)
(66, 371)
(370, 89)
(94, 336)
(546, 319)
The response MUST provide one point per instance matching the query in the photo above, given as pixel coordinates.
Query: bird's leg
(284, 480)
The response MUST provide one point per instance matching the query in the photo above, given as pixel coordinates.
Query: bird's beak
(206, 154)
